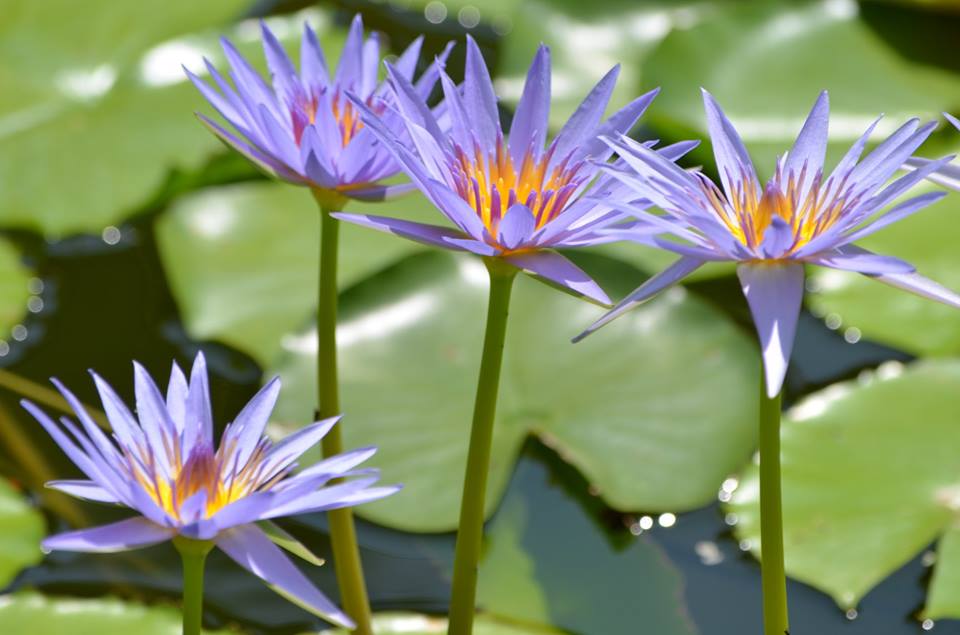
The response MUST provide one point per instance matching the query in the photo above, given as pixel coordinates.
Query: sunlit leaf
(21, 529)
(38, 615)
(871, 476)
(655, 410)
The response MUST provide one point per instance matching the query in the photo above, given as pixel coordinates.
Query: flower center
(305, 106)
(491, 183)
(808, 210)
(215, 474)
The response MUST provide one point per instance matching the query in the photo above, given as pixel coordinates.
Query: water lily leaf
(96, 110)
(21, 530)
(417, 624)
(587, 40)
(868, 484)
(655, 410)
(766, 62)
(33, 613)
(889, 315)
(242, 259)
(529, 572)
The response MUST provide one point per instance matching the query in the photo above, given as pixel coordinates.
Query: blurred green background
(622, 495)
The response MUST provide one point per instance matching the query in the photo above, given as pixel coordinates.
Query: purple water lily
(162, 463)
(304, 129)
(801, 216)
(515, 198)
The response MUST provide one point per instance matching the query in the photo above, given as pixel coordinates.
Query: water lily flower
(514, 196)
(800, 216)
(302, 127)
(163, 464)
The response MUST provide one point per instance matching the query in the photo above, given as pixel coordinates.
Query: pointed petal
(313, 64)
(433, 235)
(177, 397)
(249, 425)
(556, 268)
(291, 447)
(617, 124)
(733, 160)
(920, 285)
(947, 175)
(281, 68)
(377, 193)
(587, 116)
(478, 96)
(810, 148)
(351, 56)
(528, 132)
(774, 293)
(132, 533)
(87, 490)
(850, 258)
(676, 272)
(200, 413)
(249, 547)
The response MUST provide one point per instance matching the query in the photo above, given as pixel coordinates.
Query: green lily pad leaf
(21, 530)
(39, 615)
(587, 40)
(96, 110)
(889, 315)
(417, 624)
(242, 259)
(14, 288)
(766, 63)
(868, 484)
(655, 410)
(530, 573)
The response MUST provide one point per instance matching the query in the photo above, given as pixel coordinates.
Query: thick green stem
(774, 581)
(194, 554)
(470, 531)
(343, 535)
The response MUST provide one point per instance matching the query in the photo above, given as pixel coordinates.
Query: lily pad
(39, 615)
(96, 110)
(892, 316)
(869, 480)
(587, 40)
(242, 259)
(417, 624)
(530, 574)
(21, 530)
(766, 62)
(654, 411)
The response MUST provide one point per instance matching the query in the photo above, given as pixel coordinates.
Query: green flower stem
(194, 554)
(774, 581)
(343, 535)
(470, 531)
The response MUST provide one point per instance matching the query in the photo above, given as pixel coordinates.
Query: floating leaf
(766, 62)
(892, 316)
(242, 259)
(530, 573)
(96, 110)
(869, 480)
(39, 615)
(655, 410)
(21, 530)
